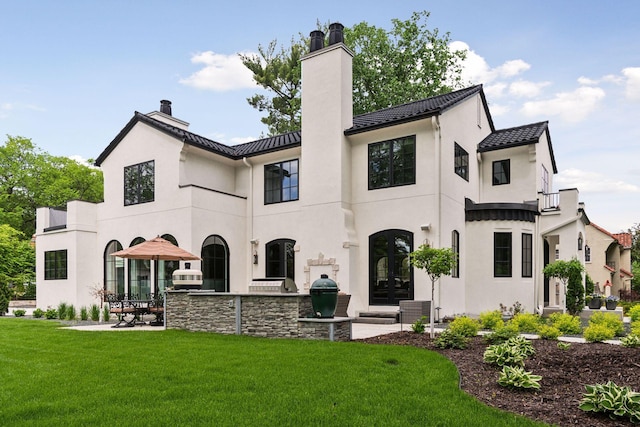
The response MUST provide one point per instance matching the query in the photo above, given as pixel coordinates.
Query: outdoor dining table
(134, 307)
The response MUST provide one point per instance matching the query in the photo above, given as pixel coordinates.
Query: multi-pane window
(587, 253)
(527, 255)
(455, 247)
(280, 258)
(502, 254)
(392, 163)
(139, 183)
(281, 182)
(501, 172)
(55, 265)
(545, 180)
(461, 162)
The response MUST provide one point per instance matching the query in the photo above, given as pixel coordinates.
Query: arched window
(113, 269)
(455, 247)
(139, 275)
(280, 258)
(166, 268)
(215, 264)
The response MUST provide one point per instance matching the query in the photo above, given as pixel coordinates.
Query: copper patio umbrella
(157, 249)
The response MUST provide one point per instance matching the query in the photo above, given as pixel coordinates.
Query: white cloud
(585, 81)
(572, 107)
(633, 82)
(499, 109)
(495, 90)
(511, 68)
(526, 89)
(593, 182)
(220, 73)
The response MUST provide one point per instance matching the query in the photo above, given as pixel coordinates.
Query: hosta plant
(611, 399)
(517, 377)
(512, 352)
(564, 345)
(631, 341)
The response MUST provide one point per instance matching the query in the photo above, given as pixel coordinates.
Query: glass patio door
(390, 273)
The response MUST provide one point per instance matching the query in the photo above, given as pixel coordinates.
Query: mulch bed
(564, 375)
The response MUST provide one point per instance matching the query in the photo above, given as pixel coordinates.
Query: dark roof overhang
(526, 211)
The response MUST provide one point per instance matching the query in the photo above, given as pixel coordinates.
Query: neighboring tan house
(608, 260)
(347, 196)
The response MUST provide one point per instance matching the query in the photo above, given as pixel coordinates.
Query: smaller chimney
(317, 40)
(335, 33)
(165, 107)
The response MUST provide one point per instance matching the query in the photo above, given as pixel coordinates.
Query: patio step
(377, 317)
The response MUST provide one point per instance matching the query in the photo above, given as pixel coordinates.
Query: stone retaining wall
(263, 315)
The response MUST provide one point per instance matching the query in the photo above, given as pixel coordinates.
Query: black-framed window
(281, 182)
(392, 163)
(55, 265)
(587, 253)
(139, 183)
(461, 162)
(455, 247)
(527, 255)
(502, 254)
(280, 258)
(501, 172)
(215, 264)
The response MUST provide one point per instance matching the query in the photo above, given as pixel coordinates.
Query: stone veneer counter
(272, 315)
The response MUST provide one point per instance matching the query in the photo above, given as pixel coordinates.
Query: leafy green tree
(17, 264)
(570, 274)
(30, 178)
(435, 262)
(407, 63)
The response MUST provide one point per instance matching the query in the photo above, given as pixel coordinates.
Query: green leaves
(434, 261)
(512, 352)
(612, 399)
(517, 377)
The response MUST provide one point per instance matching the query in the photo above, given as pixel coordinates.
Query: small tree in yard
(435, 262)
(570, 274)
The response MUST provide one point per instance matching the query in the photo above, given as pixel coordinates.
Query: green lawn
(53, 376)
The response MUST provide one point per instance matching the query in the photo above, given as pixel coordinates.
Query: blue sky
(72, 73)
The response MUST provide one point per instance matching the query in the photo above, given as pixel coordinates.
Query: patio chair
(121, 308)
(156, 307)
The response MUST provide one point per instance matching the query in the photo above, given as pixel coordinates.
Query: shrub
(527, 322)
(450, 339)
(51, 313)
(94, 312)
(634, 313)
(631, 341)
(84, 313)
(613, 400)
(502, 334)
(566, 323)
(19, 312)
(548, 332)
(564, 345)
(105, 313)
(465, 326)
(38, 313)
(491, 319)
(517, 377)
(609, 320)
(418, 326)
(598, 333)
(62, 310)
(71, 313)
(635, 327)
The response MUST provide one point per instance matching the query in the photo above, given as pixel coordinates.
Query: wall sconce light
(425, 227)
(580, 242)
(255, 257)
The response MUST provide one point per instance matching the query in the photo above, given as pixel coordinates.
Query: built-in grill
(187, 278)
(273, 285)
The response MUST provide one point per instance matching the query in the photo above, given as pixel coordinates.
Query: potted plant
(612, 302)
(596, 302)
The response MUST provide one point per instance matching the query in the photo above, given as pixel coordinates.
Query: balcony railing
(550, 201)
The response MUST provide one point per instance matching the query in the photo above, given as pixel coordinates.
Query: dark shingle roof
(378, 119)
(517, 136)
(414, 110)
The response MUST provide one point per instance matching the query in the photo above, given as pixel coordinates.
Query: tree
(407, 63)
(30, 178)
(435, 262)
(570, 274)
(17, 264)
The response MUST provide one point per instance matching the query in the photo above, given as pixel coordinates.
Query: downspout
(248, 164)
(437, 137)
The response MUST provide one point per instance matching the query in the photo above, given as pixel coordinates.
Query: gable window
(502, 254)
(461, 162)
(545, 180)
(280, 258)
(501, 172)
(455, 247)
(55, 265)
(139, 183)
(281, 182)
(392, 163)
(527, 255)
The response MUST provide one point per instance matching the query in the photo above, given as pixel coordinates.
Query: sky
(72, 73)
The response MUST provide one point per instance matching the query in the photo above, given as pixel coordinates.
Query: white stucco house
(347, 196)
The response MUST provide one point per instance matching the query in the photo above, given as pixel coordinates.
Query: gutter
(249, 230)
